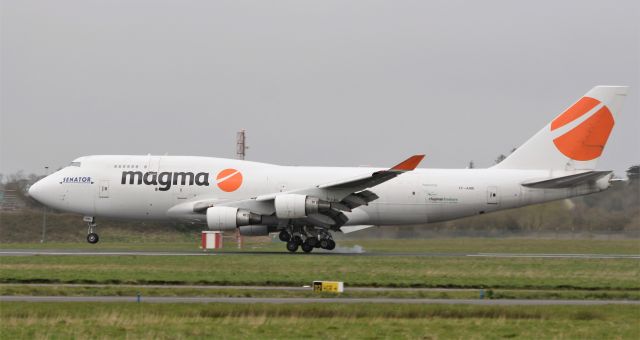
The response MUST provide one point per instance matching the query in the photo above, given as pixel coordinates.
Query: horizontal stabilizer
(567, 181)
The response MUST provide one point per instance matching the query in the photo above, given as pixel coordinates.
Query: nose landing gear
(92, 236)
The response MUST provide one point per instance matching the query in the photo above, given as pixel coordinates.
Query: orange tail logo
(585, 141)
(229, 180)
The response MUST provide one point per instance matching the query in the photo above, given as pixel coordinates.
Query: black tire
(284, 236)
(292, 246)
(313, 241)
(297, 239)
(93, 238)
(324, 243)
(332, 245)
(306, 247)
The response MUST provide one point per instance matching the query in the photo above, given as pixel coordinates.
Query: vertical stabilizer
(576, 138)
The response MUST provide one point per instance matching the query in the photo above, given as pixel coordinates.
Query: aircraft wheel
(297, 239)
(324, 243)
(306, 247)
(292, 246)
(331, 245)
(93, 238)
(284, 236)
(313, 242)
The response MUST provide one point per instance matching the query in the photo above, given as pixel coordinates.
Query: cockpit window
(75, 164)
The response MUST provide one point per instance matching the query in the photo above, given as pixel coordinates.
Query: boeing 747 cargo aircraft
(305, 205)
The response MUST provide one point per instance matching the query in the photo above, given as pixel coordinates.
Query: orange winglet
(409, 164)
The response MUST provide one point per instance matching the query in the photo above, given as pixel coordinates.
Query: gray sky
(341, 83)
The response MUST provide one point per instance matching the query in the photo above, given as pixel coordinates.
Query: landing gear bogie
(307, 238)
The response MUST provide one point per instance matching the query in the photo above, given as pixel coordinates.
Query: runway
(87, 252)
(252, 300)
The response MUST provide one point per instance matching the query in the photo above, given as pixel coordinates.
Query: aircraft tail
(576, 138)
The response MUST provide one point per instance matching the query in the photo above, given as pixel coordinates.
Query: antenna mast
(241, 144)
(241, 148)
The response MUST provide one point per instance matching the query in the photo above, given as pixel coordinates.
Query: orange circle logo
(229, 180)
(585, 141)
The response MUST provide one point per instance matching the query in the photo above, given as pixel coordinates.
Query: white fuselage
(96, 186)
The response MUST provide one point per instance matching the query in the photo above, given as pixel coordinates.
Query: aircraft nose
(35, 190)
(43, 191)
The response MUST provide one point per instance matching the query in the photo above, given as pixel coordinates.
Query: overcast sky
(339, 83)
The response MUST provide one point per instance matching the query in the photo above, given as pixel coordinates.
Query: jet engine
(256, 230)
(299, 206)
(229, 218)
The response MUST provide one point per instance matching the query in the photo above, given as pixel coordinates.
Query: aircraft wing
(339, 190)
(343, 195)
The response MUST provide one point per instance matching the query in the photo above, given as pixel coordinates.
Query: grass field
(298, 270)
(524, 278)
(190, 291)
(176, 321)
(439, 245)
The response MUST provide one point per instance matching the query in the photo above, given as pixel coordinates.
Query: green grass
(126, 290)
(439, 245)
(500, 245)
(240, 321)
(298, 270)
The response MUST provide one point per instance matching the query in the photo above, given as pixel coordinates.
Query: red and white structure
(211, 239)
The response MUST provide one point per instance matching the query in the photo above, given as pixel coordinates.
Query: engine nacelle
(299, 206)
(256, 230)
(229, 218)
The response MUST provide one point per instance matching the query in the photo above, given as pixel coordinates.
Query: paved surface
(88, 252)
(513, 302)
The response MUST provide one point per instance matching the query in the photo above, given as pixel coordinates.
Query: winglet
(409, 164)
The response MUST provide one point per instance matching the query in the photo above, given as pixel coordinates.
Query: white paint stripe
(576, 122)
(219, 180)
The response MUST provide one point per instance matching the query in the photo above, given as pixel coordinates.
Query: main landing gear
(306, 240)
(92, 236)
